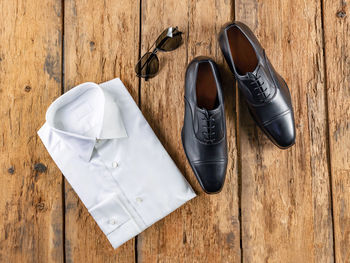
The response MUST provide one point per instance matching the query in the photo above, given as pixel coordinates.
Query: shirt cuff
(114, 220)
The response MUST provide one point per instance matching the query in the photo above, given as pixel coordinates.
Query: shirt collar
(84, 114)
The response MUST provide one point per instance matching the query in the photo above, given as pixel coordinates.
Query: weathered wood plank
(286, 207)
(207, 228)
(30, 78)
(101, 42)
(337, 50)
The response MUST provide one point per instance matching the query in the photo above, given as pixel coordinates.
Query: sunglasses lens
(169, 40)
(148, 66)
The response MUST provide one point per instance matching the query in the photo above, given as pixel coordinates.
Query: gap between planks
(328, 128)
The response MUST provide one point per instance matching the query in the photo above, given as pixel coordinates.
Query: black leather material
(266, 93)
(204, 132)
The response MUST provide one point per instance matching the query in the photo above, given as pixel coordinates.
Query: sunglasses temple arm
(146, 52)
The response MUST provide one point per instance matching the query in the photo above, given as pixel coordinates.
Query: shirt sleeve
(108, 208)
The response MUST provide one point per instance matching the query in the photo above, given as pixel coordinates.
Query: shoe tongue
(259, 72)
(203, 116)
(210, 112)
(254, 72)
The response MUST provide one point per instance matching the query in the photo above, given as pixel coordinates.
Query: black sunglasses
(148, 66)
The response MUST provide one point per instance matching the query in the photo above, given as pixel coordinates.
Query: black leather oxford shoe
(265, 91)
(204, 130)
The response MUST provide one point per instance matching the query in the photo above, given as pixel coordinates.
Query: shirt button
(112, 221)
(114, 164)
(139, 200)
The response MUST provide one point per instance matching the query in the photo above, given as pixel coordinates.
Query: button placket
(129, 205)
(113, 221)
(115, 164)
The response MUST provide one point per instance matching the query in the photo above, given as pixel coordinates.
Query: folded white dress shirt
(109, 154)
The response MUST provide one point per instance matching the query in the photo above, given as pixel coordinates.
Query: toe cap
(211, 175)
(282, 130)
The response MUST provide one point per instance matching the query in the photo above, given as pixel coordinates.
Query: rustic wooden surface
(101, 42)
(31, 221)
(276, 206)
(286, 213)
(187, 235)
(337, 60)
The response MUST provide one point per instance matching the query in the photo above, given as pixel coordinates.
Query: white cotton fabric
(111, 157)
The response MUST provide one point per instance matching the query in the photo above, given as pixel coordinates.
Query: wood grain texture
(101, 43)
(207, 228)
(285, 197)
(337, 50)
(30, 78)
(286, 202)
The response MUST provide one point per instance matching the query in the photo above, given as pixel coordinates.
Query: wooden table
(277, 205)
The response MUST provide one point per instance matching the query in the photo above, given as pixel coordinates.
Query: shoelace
(260, 93)
(208, 127)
